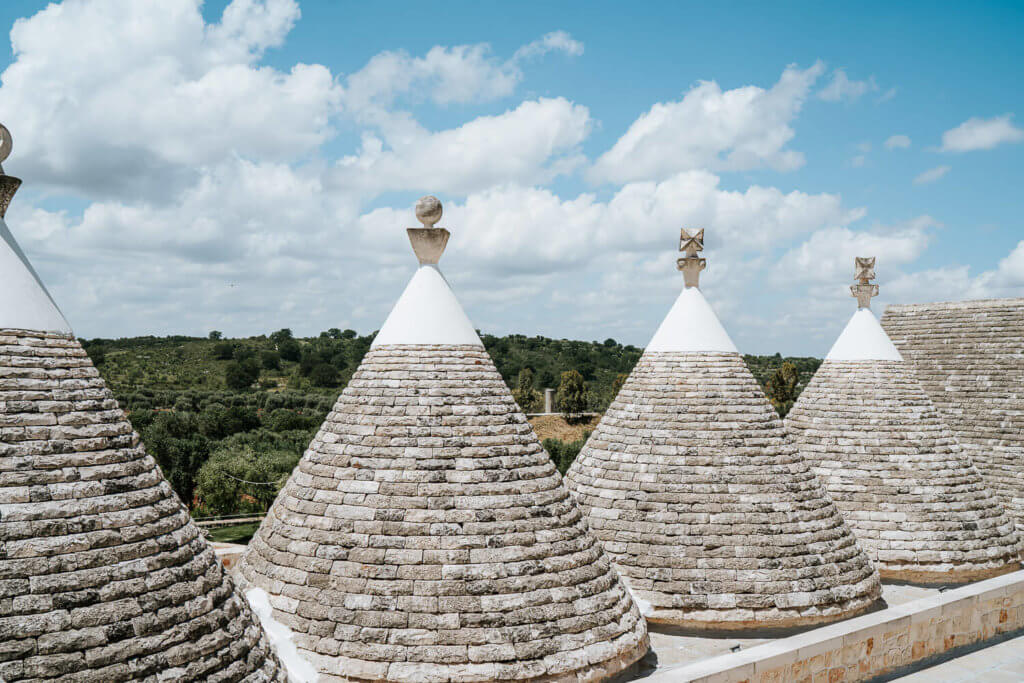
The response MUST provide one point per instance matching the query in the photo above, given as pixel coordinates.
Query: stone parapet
(890, 642)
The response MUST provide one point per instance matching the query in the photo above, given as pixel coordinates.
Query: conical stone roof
(711, 515)
(425, 535)
(911, 495)
(969, 357)
(103, 575)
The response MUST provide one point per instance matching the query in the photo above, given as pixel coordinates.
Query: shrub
(283, 420)
(572, 395)
(223, 350)
(563, 453)
(240, 375)
(271, 360)
(324, 375)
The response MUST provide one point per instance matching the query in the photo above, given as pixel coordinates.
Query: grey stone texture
(894, 469)
(425, 535)
(969, 357)
(706, 507)
(103, 575)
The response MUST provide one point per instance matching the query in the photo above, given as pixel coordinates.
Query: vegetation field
(239, 533)
(228, 419)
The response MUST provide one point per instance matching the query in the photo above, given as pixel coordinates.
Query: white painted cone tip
(691, 326)
(864, 339)
(27, 305)
(427, 313)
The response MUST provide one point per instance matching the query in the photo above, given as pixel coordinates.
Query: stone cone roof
(894, 469)
(425, 535)
(103, 575)
(711, 515)
(969, 357)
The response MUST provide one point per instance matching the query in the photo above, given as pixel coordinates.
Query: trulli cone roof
(711, 515)
(425, 535)
(911, 495)
(103, 575)
(969, 357)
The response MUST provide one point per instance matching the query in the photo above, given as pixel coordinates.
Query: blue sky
(183, 173)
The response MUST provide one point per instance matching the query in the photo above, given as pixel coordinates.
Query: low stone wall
(876, 645)
(228, 553)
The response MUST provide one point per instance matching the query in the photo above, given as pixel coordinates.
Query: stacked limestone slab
(103, 575)
(426, 535)
(711, 514)
(969, 357)
(911, 495)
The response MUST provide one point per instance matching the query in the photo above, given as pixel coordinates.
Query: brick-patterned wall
(876, 644)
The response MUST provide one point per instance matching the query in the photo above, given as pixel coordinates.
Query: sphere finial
(428, 210)
(8, 184)
(6, 143)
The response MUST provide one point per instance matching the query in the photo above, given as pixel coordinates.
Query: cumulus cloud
(445, 75)
(212, 201)
(556, 41)
(532, 143)
(827, 256)
(977, 133)
(897, 142)
(842, 88)
(955, 282)
(743, 128)
(117, 98)
(931, 175)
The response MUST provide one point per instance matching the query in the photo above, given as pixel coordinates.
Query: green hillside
(227, 419)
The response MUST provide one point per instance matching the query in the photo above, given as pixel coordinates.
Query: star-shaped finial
(690, 263)
(864, 274)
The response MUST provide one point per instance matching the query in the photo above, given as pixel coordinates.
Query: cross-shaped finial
(865, 273)
(690, 263)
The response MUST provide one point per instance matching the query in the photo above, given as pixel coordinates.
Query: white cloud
(445, 75)
(532, 143)
(842, 88)
(977, 133)
(827, 256)
(931, 175)
(556, 41)
(121, 98)
(897, 142)
(955, 282)
(743, 128)
(214, 201)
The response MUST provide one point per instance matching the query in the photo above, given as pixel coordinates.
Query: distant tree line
(228, 419)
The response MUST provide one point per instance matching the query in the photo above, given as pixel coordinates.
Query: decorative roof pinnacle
(690, 263)
(428, 242)
(8, 184)
(864, 274)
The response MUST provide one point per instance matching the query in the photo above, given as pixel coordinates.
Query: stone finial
(8, 184)
(428, 242)
(690, 263)
(865, 273)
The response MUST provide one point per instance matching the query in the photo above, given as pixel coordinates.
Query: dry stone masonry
(103, 575)
(911, 495)
(969, 357)
(708, 510)
(425, 535)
